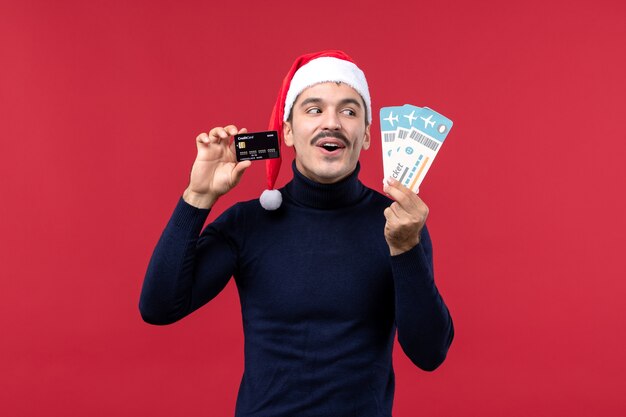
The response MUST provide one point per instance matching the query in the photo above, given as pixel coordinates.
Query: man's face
(328, 131)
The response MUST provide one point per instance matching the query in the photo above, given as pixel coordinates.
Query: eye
(348, 112)
(313, 110)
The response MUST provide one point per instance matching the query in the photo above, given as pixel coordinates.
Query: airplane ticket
(389, 124)
(412, 137)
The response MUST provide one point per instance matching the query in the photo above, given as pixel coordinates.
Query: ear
(366, 139)
(288, 133)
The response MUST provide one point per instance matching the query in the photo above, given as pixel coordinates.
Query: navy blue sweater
(321, 297)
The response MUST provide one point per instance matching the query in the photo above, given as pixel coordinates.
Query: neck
(305, 192)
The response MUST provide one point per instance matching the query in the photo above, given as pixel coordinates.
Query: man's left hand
(405, 218)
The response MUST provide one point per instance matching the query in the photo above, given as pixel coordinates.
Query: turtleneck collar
(305, 192)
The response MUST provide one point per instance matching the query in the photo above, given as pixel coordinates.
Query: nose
(331, 121)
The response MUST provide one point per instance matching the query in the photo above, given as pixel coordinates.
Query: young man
(326, 272)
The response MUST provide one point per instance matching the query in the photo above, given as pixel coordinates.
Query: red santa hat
(308, 70)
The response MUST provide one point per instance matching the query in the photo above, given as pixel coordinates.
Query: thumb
(239, 170)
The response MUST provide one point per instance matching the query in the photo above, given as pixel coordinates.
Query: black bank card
(256, 145)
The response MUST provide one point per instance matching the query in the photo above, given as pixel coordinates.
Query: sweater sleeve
(187, 269)
(425, 329)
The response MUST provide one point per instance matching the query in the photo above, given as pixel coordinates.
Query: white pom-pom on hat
(271, 199)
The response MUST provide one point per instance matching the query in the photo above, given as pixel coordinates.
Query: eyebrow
(316, 100)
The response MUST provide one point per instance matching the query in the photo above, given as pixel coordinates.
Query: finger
(202, 138)
(401, 217)
(217, 134)
(393, 184)
(400, 196)
(396, 214)
(403, 196)
(239, 170)
(242, 130)
(230, 130)
(389, 214)
(399, 211)
(392, 219)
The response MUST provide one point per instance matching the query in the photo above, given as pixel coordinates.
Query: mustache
(331, 134)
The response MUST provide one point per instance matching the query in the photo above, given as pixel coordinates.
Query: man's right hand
(215, 170)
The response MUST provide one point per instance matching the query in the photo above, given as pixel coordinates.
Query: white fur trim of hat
(328, 69)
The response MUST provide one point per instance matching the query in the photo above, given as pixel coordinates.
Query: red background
(100, 103)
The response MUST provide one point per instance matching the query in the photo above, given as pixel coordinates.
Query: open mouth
(330, 145)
